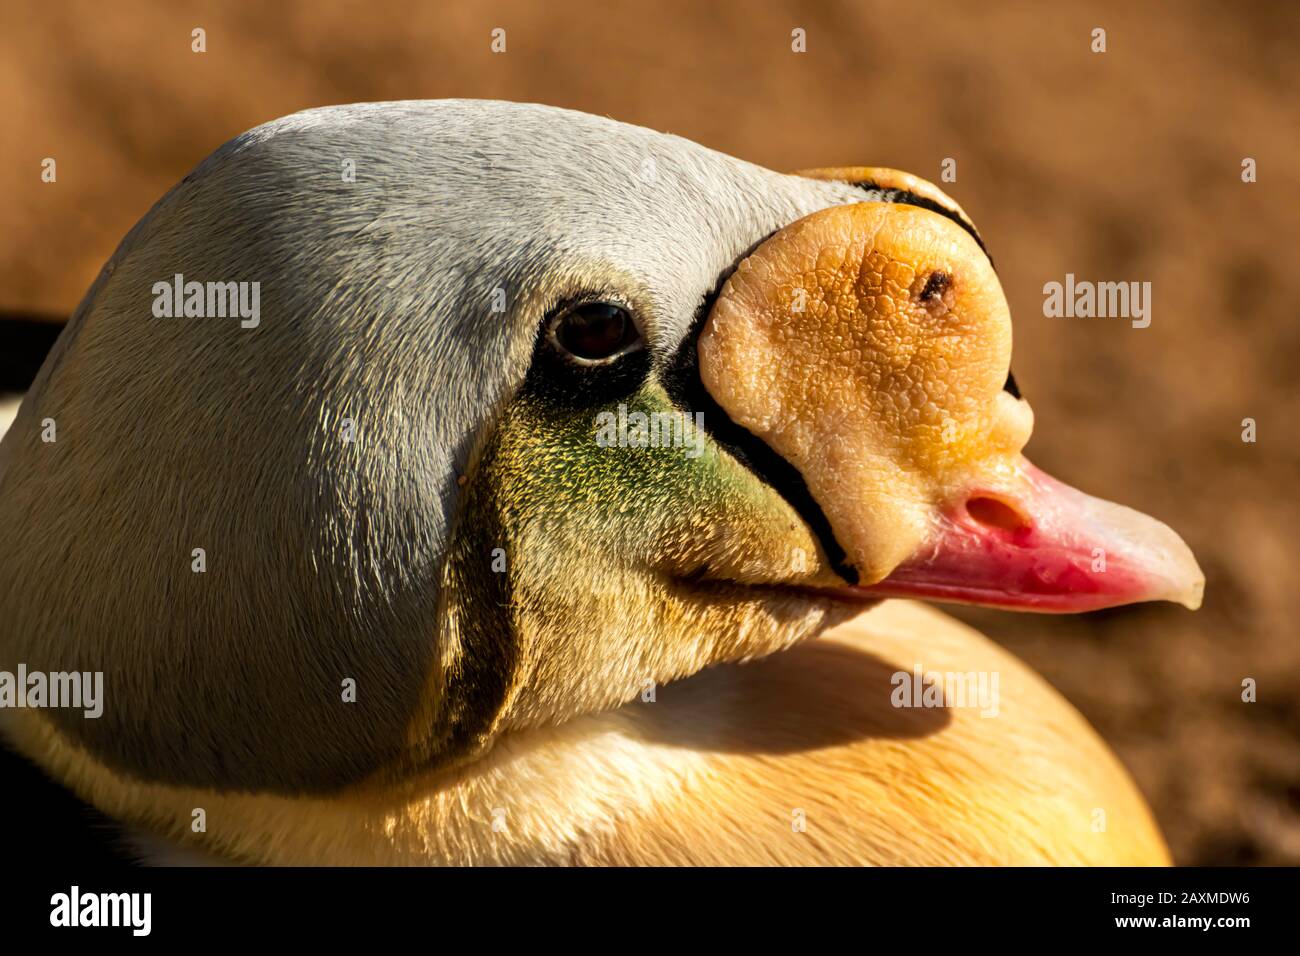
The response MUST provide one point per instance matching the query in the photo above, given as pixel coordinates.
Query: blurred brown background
(1117, 166)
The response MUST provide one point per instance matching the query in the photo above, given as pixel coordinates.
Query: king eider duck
(552, 509)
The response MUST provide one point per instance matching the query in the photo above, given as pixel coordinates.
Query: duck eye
(595, 332)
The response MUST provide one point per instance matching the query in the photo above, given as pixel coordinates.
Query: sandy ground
(1117, 166)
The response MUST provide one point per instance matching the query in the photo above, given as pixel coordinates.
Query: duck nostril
(995, 513)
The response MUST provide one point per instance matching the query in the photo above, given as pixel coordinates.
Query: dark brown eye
(595, 332)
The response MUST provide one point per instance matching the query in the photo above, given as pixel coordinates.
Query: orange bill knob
(868, 345)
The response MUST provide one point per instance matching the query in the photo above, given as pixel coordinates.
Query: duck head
(541, 410)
